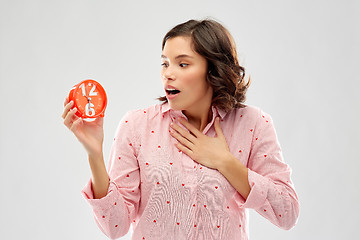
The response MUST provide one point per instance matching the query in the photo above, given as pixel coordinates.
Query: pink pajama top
(165, 194)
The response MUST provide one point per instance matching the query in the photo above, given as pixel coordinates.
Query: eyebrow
(179, 56)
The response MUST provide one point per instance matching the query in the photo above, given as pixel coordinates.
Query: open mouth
(172, 92)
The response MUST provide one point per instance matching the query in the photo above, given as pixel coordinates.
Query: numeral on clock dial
(89, 111)
(92, 91)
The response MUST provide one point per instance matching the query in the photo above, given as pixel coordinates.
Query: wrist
(225, 162)
(237, 174)
(228, 162)
(96, 157)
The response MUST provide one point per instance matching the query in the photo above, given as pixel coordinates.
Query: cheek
(195, 80)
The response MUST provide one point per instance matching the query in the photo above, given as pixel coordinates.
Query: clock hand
(89, 100)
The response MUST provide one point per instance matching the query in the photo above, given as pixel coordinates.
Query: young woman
(190, 166)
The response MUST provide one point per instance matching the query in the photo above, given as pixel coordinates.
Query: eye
(164, 64)
(183, 65)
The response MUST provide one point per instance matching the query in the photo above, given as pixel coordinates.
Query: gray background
(302, 56)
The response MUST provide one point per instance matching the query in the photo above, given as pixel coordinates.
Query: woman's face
(185, 71)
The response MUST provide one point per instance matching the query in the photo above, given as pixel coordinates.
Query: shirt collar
(216, 111)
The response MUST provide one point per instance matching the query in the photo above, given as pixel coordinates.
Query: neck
(199, 118)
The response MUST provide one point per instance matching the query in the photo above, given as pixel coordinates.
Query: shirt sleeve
(272, 192)
(114, 212)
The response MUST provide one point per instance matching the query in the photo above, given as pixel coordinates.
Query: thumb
(99, 121)
(218, 129)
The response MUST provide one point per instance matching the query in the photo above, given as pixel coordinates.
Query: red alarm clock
(89, 98)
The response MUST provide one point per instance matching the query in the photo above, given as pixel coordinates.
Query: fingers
(66, 101)
(181, 139)
(70, 117)
(189, 126)
(183, 133)
(67, 106)
(75, 124)
(185, 150)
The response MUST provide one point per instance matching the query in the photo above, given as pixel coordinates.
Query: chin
(175, 107)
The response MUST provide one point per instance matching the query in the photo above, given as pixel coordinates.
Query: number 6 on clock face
(89, 110)
(89, 98)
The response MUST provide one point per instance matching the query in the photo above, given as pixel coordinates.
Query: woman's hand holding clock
(89, 134)
(83, 114)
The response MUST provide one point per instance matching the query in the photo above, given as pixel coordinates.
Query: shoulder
(251, 117)
(142, 115)
(136, 121)
(251, 113)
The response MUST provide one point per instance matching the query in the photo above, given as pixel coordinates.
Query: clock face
(89, 98)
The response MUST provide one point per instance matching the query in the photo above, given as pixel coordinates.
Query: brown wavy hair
(214, 42)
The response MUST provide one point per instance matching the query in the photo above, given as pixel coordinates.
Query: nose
(168, 73)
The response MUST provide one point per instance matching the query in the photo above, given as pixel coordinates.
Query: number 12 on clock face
(89, 98)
